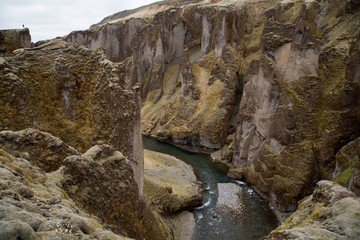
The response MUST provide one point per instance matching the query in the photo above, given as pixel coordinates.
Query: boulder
(347, 171)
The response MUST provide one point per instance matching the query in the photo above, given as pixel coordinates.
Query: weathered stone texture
(300, 100)
(102, 182)
(274, 84)
(167, 52)
(331, 212)
(40, 148)
(34, 207)
(12, 39)
(73, 93)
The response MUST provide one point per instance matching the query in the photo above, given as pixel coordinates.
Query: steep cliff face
(73, 93)
(188, 74)
(12, 39)
(274, 84)
(301, 102)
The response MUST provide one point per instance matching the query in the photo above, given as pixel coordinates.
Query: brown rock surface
(331, 212)
(73, 93)
(347, 171)
(33, 206)
(274, 84)
(40, 148)
(13, 39)
(300, 100)
(102, 182)
(187, 73)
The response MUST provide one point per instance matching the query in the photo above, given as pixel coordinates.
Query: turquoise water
(256, 219)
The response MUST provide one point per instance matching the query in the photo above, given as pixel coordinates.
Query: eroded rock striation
(300, 103)
(272, 84)
(186, 61)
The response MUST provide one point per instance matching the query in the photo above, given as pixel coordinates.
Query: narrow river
(253, 222)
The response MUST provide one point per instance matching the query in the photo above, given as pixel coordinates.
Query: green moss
(313, 216)
(315, 32)
(344, 176)
(65, 194)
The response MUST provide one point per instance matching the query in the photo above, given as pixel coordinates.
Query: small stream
(256, 219)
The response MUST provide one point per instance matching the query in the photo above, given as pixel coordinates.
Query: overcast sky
(48, 19)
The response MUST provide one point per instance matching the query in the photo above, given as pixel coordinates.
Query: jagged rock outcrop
(331, 212)
(33, 206)
(13, 39)
(103, 183)
(347, 171)
(73, 93)
(40, 148)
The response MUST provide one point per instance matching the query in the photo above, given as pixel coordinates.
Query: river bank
(214, 218)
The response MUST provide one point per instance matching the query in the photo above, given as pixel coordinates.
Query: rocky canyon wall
(300, 104)
(74, 93)
(187, 72)
(274, 84)
(12, 39)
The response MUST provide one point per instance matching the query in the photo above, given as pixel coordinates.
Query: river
(253, 222)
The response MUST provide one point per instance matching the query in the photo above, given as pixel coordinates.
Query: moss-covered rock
(33, 205)
(300, 102)
(13, 39)
(40, 148)
(347, 166)
(331, 212)
(73, 93)
(102, 182)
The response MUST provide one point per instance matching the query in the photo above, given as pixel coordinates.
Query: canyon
(271, 88)
(274, 85)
